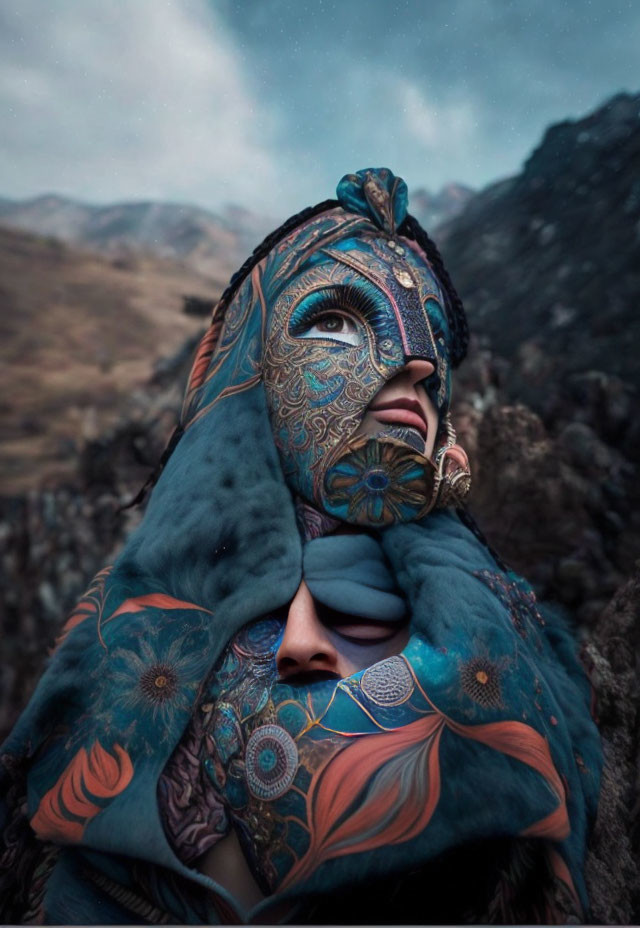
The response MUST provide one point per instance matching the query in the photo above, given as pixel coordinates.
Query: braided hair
(262, 250)
(409, 228)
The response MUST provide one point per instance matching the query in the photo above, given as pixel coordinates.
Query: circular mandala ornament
(388, 683)
(159, 682)
(481, 678)
(271, 761)
(378, 481)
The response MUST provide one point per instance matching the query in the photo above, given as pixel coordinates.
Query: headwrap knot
(377, 194)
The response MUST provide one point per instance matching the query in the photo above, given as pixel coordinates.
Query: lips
(403, 411)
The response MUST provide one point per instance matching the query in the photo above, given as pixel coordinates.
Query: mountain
(208, 242)
(433, 209)
(188, 233)
(204, 240)
(548, 261)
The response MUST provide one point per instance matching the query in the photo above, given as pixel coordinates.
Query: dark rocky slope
(549, 261)
(548, 264)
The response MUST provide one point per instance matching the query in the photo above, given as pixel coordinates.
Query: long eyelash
(347, 298)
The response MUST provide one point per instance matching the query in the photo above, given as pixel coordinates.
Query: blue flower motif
(154, 683)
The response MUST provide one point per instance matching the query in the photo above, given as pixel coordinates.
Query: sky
(267, 103)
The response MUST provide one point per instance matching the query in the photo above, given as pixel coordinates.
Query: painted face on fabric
(282, 711)
(315, 771)
(354, 318)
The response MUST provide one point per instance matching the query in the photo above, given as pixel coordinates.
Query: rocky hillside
(548, 261)
(81, 335)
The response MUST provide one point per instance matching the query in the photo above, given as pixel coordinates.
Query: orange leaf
(335, 787)
(527, 745)
(156, 600)
(96, 774)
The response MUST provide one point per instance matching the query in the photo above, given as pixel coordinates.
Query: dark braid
(456, 315)
(262, 250)
(467, 519)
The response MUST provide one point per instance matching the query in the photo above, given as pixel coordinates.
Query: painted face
(365, 773)
(272, 731)
(358, 326)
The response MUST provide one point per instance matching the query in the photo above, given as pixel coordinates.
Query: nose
(417, 369)
(306, 646)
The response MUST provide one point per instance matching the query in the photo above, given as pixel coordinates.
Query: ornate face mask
(352, 313)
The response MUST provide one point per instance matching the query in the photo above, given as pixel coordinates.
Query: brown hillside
(79, 333)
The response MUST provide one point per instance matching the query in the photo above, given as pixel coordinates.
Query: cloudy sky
(266, 103)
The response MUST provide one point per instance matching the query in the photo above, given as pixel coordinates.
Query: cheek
(317, 393)
(432, 422)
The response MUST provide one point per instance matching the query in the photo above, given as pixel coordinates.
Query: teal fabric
(219, 547)
(348, 573)
(357, 194)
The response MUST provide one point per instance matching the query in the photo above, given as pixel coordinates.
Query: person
(307, 690)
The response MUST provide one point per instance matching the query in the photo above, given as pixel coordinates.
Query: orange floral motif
(158, 600)
(334, 788)
(392, 813)
(94, 601)
(531, 748)
(66, 809)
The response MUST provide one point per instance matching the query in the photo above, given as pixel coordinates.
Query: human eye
(334, 324)
(358, 629)
(338, 314)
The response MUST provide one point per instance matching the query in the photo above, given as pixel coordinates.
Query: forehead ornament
(403, 277)
(398, 249)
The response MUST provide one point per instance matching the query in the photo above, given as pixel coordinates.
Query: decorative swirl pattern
(318, 391)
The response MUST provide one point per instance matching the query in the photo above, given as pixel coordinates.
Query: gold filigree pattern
(317, 390)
